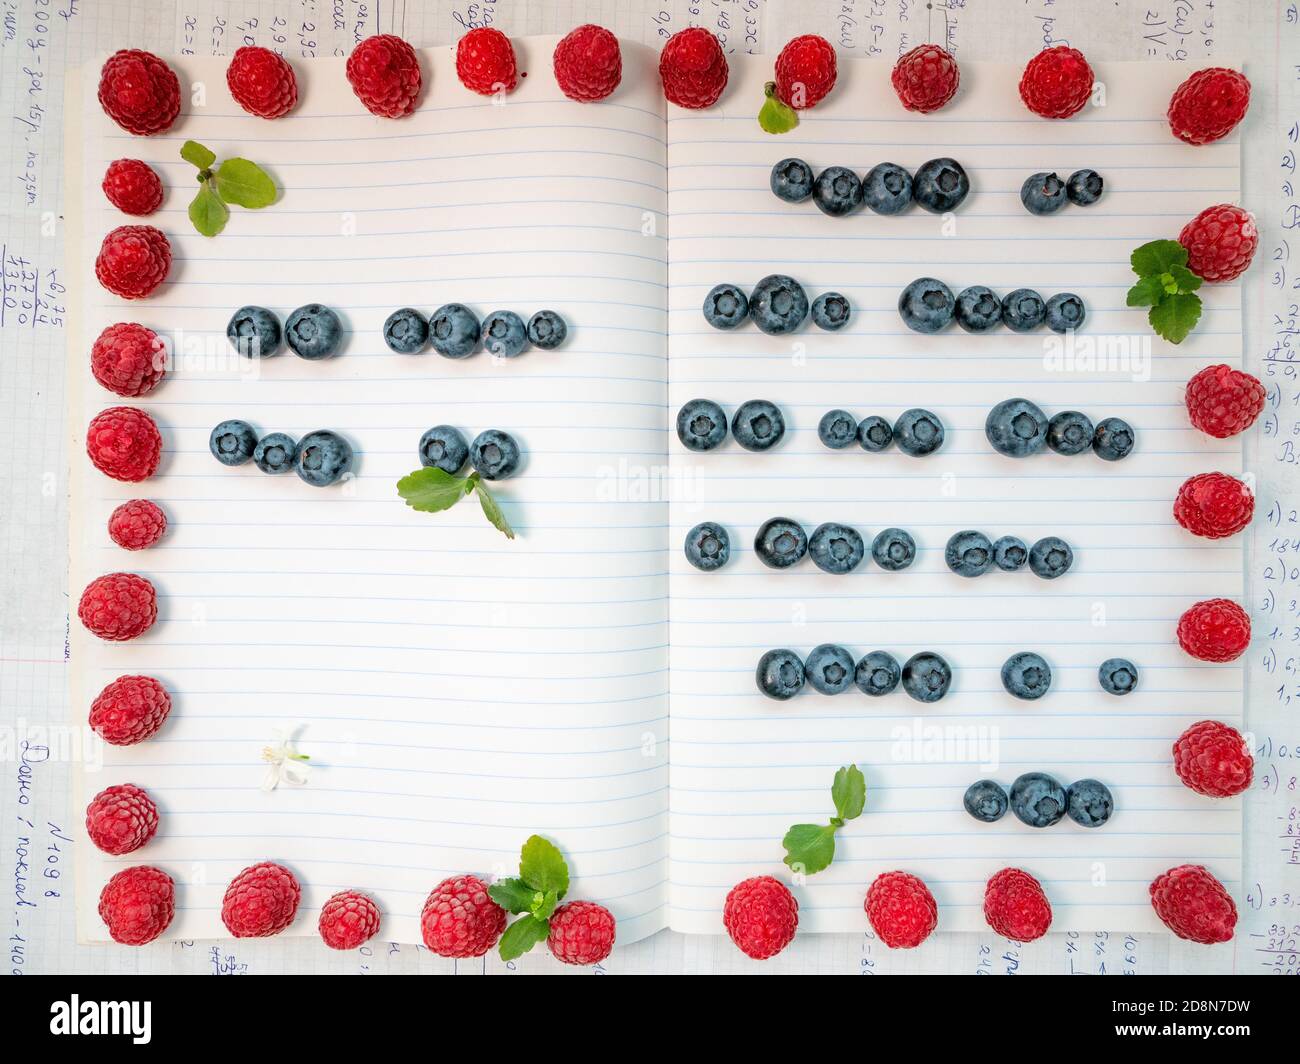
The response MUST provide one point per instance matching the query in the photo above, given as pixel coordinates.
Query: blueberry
(887, 189)
(1010, 554)
(1065, 311)
(1037, 799)
(893, 549)
(232, 442)
(254, 332)
(504, 334)
(701, 425)
(926, 676)
(837, 429)
(406, 331)
(978, 309)
(829, 669)
(708, 546)
(985, 800)
(1084, 187)
(875, 433)
(1023, 310)
(758, 425)
(1026, 675)
(780, 543)
(313, 332)
(546, 330)
(726, 306)
(323, 457)
(1069, 432)
(792, 180)
(940, 185)
(1016, 428)
(1050, 557)
(830, 311)
(877, 674)
(494, 454)
(836, 548)
(778, 304)
(1118, 676)
(969, 553)
(918, 432)
(780, 674)
(1089, 803)
(454, 331)
(275, 453)
(1113, 439)
(927, 305)
(443, 447)
(1043, 193)
(837, 191)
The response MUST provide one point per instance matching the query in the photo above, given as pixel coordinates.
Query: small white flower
(286, 765)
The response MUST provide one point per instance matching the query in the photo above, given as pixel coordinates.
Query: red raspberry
(693, 68)
(925, 78)
(1193, 904)
(582, 932)
(1015, 906)
(485, 62)
(459, 919)
(262, 82)
(1214, 505)
(1214, 630)
(139, 92)
(137, 904)
(761, 916)
(588, 64)
(901, 909)
(121, 819)
(1220, 242)
(348, 920)
(805, 71)
(133, 261)
(124, 443)
(133, 187)
(137, 524)
(384, 72)
(1057, 82)
(129, 359)
(1223, 401)
(261, 901)
(1208, 105)
(1213, 759)
(129, 710)
(118, 607)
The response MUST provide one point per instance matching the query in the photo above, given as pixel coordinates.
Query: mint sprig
(235, 181)
(534, 895)
(1168, 287)
(775, 116)
(432, 490)
(809, 848)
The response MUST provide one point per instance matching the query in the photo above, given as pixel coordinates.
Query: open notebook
(457, 692)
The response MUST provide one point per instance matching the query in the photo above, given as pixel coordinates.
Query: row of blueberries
(494, 454)
(1038, 800)
(927, 305)
(1018, 428)
(1045, 193)
(971, 553)
(320, 458)
(939, 186)
(759, 425)
(777, 305)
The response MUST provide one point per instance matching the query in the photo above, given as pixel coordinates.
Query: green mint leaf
(1147, 292)
(849, 792)
(207, 213)
(1175, 316)
(245, 184)
(542, 866)
(523, 935)
(492, 511)
(1157, 256)
(775, 116)
(513, 895)
(809, 847)
(197, 155)
(544, 905)
(1184, 279)
(431, 489)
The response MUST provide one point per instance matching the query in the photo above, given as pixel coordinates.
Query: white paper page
(456, 692)
(746, 768)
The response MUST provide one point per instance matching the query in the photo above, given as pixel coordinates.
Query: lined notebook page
(745, 768)
(455, 692)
